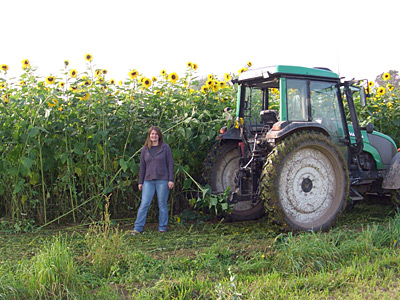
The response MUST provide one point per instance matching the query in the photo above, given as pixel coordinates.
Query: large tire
(305, 183)
(219, 171)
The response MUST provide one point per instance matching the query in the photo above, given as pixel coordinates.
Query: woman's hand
(170, 185)
(140, 186)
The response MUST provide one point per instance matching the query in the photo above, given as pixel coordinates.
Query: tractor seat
(269, 116)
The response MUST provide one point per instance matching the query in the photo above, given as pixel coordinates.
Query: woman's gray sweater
(160, 166)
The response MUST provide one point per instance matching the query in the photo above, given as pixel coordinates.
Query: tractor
(292, 154)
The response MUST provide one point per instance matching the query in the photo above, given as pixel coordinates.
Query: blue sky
(354, 38)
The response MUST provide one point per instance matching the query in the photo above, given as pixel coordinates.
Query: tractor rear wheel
(304, 184)
(219, 170)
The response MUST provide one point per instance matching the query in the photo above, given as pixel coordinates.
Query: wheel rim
(311, 186)
(225, 172)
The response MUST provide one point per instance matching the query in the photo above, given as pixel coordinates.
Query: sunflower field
(71, 141)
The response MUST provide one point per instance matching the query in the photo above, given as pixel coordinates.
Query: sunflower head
(104, 71)
(386, 76)
(370, 84)
(154, 79)
(381, 91)
(4, 67)
(50, 79)
(112, 81)
(97, 73)
(227, 77)
(204, 89)
(133, 74)
(189, 64)
(146, 82)
(249, 64)
(194, 66)
(173, 77)
(66, 63)
(390, 87)
(88, 57)
(22, 83)
(25, 64)
(73, 73)
(61, 84)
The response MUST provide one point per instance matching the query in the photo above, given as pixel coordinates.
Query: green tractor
(293, 155)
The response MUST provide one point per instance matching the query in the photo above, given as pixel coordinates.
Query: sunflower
(133, 74)
(249, 64)
(66, 63)
(112, 81)
(189, 64)
(22, 83)
(73, 73)
(50, 79)
(25, 64)
(88, 57)
(173, 77)
(157, 93)
(2, 85)
(390, 87)
(241, 70)
(370, 84)
(154, 79)
(73, 88)
(222, 84)
(381, 91)
(210, 76)
(209, 82)
(227, 77)
(86, 97)
(204, 89)
(163, 72)
(97, 73)
(146, 82)
(386, 76)
(52, 102)
(104, 71)
(194, 66)
(61, 85)
(215, 87)
(4, 67)
(120, 83)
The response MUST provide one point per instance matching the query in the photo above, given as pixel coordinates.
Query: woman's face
(154, 137)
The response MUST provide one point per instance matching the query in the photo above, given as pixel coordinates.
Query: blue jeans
(148, 190)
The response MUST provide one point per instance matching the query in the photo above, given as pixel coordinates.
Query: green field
(206, 259)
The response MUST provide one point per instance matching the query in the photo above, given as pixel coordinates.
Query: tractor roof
(275, 71)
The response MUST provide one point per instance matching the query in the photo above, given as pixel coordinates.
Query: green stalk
(69, 172)
(43, 183)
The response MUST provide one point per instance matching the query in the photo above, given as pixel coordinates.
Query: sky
(356, 39)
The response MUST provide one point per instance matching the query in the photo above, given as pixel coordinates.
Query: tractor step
(354, 195)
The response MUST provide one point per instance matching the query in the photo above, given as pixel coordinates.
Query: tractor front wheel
(305, 183)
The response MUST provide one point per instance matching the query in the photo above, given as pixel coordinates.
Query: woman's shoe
(135, 232)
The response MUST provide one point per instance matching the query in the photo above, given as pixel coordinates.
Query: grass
(358, 259)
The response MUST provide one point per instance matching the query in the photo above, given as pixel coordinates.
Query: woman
(156, 175)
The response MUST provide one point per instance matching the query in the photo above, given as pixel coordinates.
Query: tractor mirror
(363, 97)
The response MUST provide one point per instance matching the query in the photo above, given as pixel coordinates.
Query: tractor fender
(392, 176)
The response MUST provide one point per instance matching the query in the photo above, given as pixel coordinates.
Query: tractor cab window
(297, 100)
(259, 100)
(325, 108)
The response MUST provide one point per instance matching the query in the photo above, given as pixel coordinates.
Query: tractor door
(317, 101)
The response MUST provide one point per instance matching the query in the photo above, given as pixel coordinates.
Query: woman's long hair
(160, 138)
